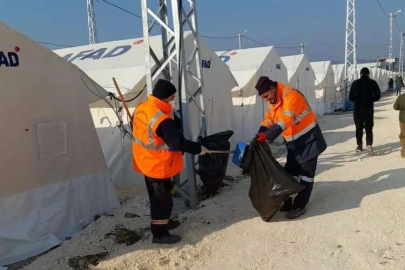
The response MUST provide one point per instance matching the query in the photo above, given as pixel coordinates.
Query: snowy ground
(355, 219)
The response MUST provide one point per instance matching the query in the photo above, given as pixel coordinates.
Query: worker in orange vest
(289, 114)
(157, 150)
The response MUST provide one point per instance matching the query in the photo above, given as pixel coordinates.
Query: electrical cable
(264, 44)
(396, 23)
(122, 9)
(382, 8)
(55, 44)
(211, 37)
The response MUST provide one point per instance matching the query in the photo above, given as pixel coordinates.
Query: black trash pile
(212, 168)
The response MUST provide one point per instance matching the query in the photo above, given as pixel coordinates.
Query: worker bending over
(289, 114)
(157, 151)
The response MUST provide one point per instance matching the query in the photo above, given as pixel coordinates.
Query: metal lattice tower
(91, 21)
(184, 73)
(350, 49)
(401, 54)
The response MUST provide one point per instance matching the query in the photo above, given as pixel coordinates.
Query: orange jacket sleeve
(267, 120)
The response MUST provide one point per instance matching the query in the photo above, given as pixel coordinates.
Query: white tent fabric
(54, 177)
(324, 86)
(301, 76)
(370, 66)
(385, 77)
(125, 60)
(374, 73)
(247, 66)
(339, 71)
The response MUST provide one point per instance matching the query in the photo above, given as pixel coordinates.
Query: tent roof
(45, 54)
(293, 62)
(245, 63)
(338, 69)
(245, 59)
(321, 68)
(123, 59)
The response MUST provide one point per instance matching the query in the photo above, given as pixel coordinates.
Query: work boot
(173, 224)
(370, 150)
(296, 213)
(166, 239)
(359, 148)
(287, 206)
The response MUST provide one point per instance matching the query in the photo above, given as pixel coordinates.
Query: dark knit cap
(264, 84)
(163, 89)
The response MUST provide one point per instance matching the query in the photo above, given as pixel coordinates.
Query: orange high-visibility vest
(291, 112)
(150, 154)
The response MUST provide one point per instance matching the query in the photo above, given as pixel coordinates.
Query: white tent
(384, 79)
(301, 76)
(247, 66)
(324, 85)
(54, 177)
(125, 60)
(370, 66)
(374, 72)
(339, 71)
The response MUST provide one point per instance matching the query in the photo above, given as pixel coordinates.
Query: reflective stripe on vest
(150, 144)
(282, 125)
(302, 132)
(269, 121)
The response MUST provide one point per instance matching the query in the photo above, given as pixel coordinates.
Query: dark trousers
(305, 172)
(161, 204)
(364, 121)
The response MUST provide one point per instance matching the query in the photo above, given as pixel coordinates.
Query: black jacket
(364, 92)
(171, 134)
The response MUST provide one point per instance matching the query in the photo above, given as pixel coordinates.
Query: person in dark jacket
(398, 84)
(157, 154)
(364, 92)
(390, 85)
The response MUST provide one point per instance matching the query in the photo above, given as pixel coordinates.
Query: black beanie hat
(163, 89)
(264, 84)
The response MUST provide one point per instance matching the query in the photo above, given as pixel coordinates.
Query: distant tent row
(381, 76)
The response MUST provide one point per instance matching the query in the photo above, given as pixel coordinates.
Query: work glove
(261, 137)
(204, 151)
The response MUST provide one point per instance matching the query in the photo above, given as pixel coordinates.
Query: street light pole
(240, 39)
(302, 46)
(392, 15)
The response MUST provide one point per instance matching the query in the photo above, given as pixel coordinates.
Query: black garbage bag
(270, 184)
(212, 167)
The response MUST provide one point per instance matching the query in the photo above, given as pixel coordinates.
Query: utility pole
(401, 54)
(91, 21)
(391, 60)
(240, 39)
(302, 46)
(350, 46)
(183, 72)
